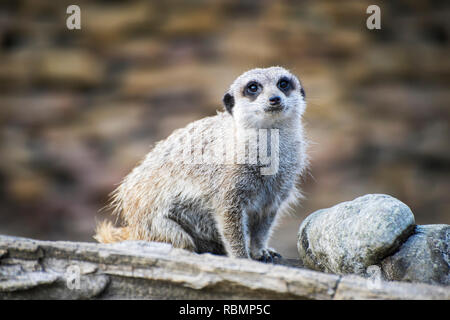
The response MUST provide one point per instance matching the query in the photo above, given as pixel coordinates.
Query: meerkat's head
(265, 97)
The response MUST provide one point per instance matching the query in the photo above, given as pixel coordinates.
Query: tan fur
(107, 233)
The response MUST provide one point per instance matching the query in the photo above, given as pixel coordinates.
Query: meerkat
(226, 208)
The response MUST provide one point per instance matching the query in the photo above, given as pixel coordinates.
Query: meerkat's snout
(275, 101)
(275, 104)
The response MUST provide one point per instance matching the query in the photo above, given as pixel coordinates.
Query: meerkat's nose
(274, 100)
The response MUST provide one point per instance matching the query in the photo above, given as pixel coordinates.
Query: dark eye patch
(252, 88)
(285, 84)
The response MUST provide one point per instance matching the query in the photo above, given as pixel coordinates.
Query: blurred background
(79, 108)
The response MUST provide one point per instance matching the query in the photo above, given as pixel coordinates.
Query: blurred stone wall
(79, 108)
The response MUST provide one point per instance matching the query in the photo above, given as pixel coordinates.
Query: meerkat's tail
(107, 233)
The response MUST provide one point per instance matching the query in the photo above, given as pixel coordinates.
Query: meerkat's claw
(266, 258)
(275, 254)
(269, 256)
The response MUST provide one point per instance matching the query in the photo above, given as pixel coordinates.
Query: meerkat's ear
(228, 102)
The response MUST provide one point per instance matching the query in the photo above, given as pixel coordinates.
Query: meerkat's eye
(252, 88)
(284, 84)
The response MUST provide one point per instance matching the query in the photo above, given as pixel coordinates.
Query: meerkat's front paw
(267, 255)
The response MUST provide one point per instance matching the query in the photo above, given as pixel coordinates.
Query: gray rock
(424, 257)
(32, 269)
(353, 235)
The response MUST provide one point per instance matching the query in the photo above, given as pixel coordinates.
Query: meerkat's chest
(271, 190)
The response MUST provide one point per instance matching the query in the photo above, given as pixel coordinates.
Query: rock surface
(353, 235)
(424, 257)
(31, 269)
